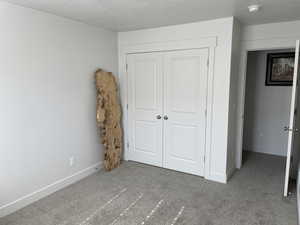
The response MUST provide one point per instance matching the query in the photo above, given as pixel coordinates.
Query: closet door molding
(207, 42)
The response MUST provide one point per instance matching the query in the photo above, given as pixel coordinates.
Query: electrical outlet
(71, 161)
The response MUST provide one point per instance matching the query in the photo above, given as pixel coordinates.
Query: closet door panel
(145, 107)
(185, 83)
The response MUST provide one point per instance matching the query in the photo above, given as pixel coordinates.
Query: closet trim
(185, 44)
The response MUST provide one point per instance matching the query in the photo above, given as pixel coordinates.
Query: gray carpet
(144, 195)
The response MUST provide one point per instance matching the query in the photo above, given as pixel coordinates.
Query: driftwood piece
(109, 118)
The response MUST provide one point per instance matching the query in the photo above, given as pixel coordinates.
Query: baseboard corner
(218, 177)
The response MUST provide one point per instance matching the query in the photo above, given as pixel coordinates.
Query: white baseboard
(47, 190)
(264, 152)
(230, 172)
(218, 177)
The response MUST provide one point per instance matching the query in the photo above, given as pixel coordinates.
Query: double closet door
(167, 109)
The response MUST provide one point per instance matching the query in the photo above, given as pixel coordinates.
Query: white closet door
(185, 83)
(145, 108)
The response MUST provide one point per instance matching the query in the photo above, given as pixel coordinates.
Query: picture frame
(280, 69)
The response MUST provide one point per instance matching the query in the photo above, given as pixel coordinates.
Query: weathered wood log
(109, 118)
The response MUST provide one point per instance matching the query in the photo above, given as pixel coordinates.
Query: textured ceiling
(122, 15)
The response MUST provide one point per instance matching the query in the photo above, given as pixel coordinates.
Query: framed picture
(280, 69)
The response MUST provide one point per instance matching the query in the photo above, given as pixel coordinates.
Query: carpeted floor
(144, 195)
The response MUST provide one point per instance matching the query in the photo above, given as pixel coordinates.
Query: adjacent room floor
(141, 194)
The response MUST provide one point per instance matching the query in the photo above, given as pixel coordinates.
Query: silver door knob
(158, 117)
(166, 117)
(286, 128)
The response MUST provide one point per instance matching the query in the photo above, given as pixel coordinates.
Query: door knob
(166, 117)
(158, 117)
(286, 128)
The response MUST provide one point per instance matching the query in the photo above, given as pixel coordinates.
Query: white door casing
(145, 94)
(291, 129)
(246, 47)
(185, 92)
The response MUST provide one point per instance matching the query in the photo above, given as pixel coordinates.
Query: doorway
(266, 108)
(267, 112)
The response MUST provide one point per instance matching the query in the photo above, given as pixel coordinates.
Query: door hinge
(127, 144)
(204, 158)
(126, 67)
(205, 112)
(207, 63)
(127, 106)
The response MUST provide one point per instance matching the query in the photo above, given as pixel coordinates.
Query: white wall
(271, 31)
(233, 97)
(266, 109)
(47, 101)
(222, 30)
